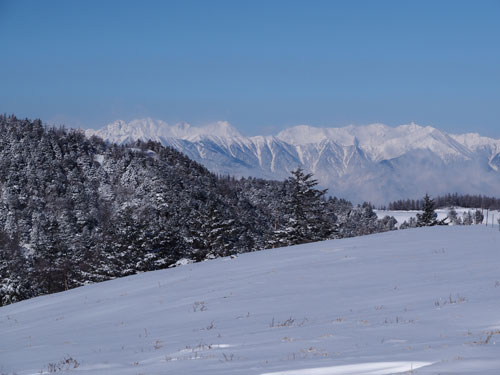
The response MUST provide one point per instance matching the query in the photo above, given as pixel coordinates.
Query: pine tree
(14, 279)
(429, 217)
(478, 217)
(453, 217)
(304, 218)
(212, 233)
(387, 223)
(467, 218)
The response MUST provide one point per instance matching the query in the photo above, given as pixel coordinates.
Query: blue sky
(261, 65)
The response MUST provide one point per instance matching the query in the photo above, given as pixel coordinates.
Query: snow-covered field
(420, 301)
(402, 216)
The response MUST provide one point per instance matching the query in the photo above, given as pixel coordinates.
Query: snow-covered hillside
(424, 300)
(374, 163)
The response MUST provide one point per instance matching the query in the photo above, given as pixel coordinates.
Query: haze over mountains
(374, 163)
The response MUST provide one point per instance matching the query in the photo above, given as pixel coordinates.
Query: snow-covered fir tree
(453, 217)
(303, 208)
(429, 217)
(478, 217)
(467, 218)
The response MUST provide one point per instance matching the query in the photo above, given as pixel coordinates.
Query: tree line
(448, 200)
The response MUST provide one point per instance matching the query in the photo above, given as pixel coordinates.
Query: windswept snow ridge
(375, 163)
(424, 301)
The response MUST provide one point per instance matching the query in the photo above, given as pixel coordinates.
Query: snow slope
(425, 300)
(376, 163)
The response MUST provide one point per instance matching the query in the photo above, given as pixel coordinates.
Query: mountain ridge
(370, 162)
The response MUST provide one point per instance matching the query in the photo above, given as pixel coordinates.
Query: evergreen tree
(467, 218)
(304, 217)
(362, 220)
(14, 283)
(478, 217)
(429, 217)
(387, 223)
(411, 223)
(453, 217)
(212, 234)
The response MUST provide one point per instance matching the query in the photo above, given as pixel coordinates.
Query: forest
(76, 210)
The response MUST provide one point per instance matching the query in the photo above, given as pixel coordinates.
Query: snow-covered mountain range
(377, 163)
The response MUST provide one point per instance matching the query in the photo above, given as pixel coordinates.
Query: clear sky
(261, 65)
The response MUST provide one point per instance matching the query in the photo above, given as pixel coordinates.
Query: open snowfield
(420, 301)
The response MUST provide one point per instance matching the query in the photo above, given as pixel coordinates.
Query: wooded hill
(75, 210)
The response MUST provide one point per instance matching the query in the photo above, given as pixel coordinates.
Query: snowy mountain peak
(148, 129)
(372, 162)
(123, 132)
(302, 134)
(367, 135)
(220, 129)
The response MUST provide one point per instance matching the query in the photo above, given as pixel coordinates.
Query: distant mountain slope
(375, 162)
(421, 301)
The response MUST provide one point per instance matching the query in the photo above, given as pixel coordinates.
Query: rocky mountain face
(375, 163)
